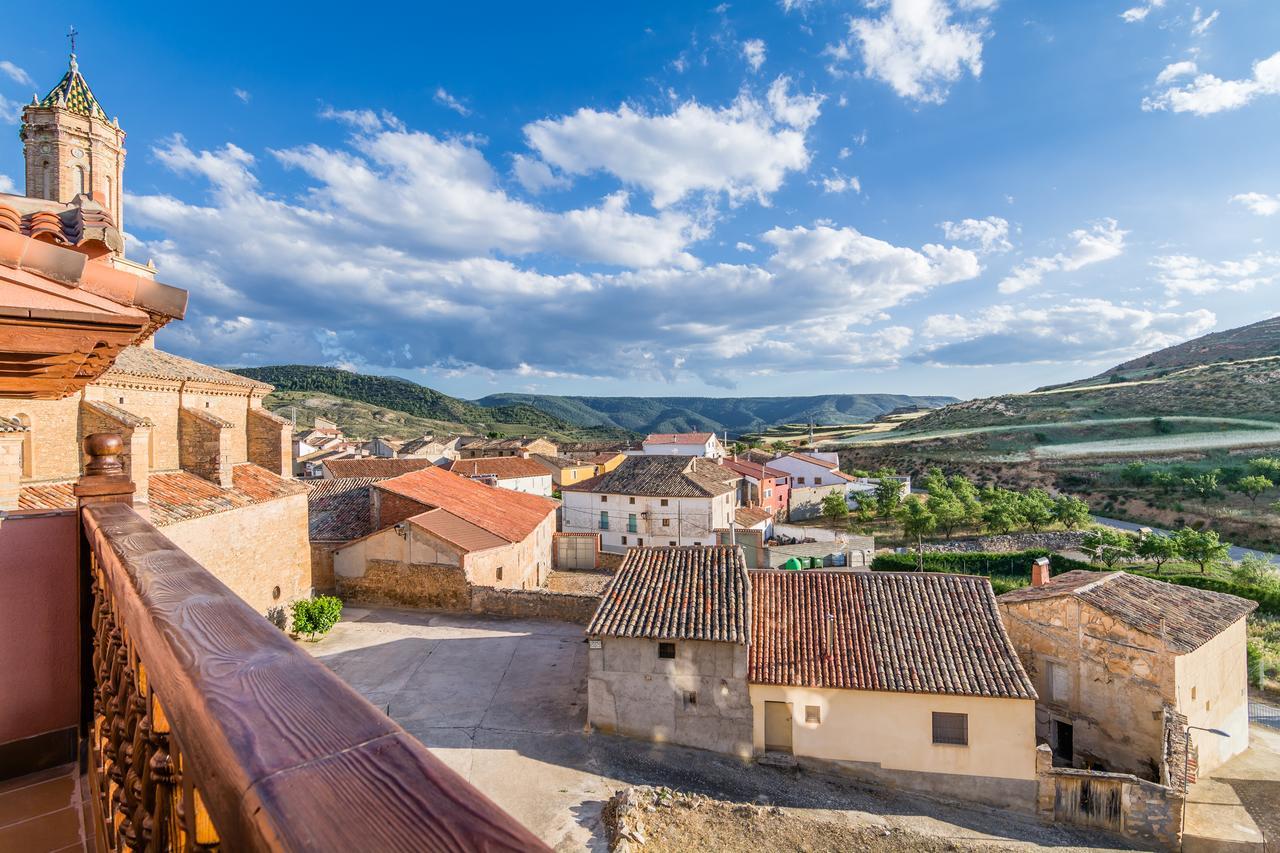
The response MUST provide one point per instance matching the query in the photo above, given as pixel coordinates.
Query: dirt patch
(659, 820)
(581, 582)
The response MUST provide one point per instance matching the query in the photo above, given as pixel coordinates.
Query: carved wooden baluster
(109, 692)
(179, 824)
(204, 838)
(121, 730)
(162, 776)
(137, 831)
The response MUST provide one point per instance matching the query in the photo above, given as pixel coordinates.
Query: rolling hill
(737, 415)
(1233, 373)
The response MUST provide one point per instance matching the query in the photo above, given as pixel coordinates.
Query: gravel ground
(591, 583)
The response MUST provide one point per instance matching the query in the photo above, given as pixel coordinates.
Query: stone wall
(1058, 540)
(414, 585)
(54, 436)
(390, 508)
(204, 445)
(11, 445)
(698, 699)
(1144, 811)
(260, 551)
(270, 439)
(534, 604)
(322, 566)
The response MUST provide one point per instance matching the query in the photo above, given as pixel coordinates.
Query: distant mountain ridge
(737, 415)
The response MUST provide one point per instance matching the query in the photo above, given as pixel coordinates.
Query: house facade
(517, 473)
(472, 447)
(435, 535)
(811, 479)
(762, 486)
(667, 650)
(436, 448)
(704, 444)
(653, 500)
(565, 471)
(1116, 657)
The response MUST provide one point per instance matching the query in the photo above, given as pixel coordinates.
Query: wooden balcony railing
(210, 730)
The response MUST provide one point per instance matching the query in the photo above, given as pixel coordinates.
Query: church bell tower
(71, 147)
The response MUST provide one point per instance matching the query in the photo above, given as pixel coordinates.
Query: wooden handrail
(211, 729)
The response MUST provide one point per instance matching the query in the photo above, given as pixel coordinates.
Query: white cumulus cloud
(753, 51)
(990, 234)
(744, 150)
(1139, 13)
(1102, 241)
(916, 47)
(1259, 203)
(15, 73)
(1187, 274)
(1207, 94)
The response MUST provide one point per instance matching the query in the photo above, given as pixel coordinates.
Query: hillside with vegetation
(736, 415)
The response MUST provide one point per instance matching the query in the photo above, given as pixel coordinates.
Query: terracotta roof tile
(509, 514)
(752, 469)
(688, 593)
(372, 466)
(47, 496)
(750, 516)
(502, 467)
(155, 364)
(181, 495)
(466, 536)
(661, 476)
(62, 223)
(340, 510)
(121, 416)
(901, 632)
(679, 437)
(1184, 616)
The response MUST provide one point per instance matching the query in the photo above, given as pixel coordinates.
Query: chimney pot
(1040, 571)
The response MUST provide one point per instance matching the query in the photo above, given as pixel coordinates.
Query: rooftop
(72, 93)
(753, 469)
(661, 476)
(679, 437)
(901, 632)
(181, 495)
(509, 514)
(373, 466)
(502, 467)
(152, 363)
(82, 222)
(561, 462)
(750, 516)
(456, 530)
(1185, 617)
(689, 593)
(340, 510)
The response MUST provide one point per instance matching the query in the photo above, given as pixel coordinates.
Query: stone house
(517, 473)
(907, 679)
(471, 447)
(383, 447)
(667, 650)
(339, 510)
(437, 449)
(653, 500)
(434, 536)
(1117, 657)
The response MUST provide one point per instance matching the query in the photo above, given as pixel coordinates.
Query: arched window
(80, 184)
(47, 190)
(109, 201)
(26, 444)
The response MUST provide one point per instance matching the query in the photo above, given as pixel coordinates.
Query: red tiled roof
(502, 467)
(63, 224)
(47, 496)
(750, 516)
(372, 466)
(752, 469)
(813, 460)
(181, 495)
(503, 512)
(679, 437)
(690, 593)
(1185, 617)
(458, 531)
(903, 632)
(340, 510)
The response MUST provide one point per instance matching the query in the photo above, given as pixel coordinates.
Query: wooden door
(777, 727)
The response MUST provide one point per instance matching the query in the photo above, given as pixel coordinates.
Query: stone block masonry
(429, 586)
(204, 445)
(269, 440)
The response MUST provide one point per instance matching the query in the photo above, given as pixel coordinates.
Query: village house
(753, 518)
(517, 473)
(812, 478)
(905, 679)
(667, 650)
(338, 511)
(471, 447)
(762, 486)
(311, 466)
(436, 448)
(564, 471)
(324, 435)
(435, 536)
(684, 444)
(369, 466)
(606, 461)
(384, 447)
(1124, 663)
(654, 500)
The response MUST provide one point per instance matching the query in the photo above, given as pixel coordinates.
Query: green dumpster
(792, 565)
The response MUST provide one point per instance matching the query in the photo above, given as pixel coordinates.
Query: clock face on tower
(77, 153)
(44, 148)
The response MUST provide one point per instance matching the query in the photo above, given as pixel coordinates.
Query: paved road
(1236, 552)
(503, 702)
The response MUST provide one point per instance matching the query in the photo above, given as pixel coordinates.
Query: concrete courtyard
(503, 702)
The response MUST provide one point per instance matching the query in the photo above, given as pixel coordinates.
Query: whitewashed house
(684, 444)
(653, 501)
(812, 479)
(516, 473)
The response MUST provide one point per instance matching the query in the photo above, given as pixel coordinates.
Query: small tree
(835, 506)
(1135, 474)
(1002, 510)
(1203, 486)
(1201, 547)
(1252, 486)
(1108, 546)
(1158, 548)
(947, 509)
(1070, 512)
(1266, 466)
(1256, 570)
(888, 496)
(1164, 481)
(1037, 509)
(917, 522)
(312, 616)
(967, 493)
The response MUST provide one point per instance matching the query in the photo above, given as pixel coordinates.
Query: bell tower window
(46, 178)
(80, 182)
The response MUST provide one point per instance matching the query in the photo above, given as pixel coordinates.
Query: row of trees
(1253, 481)
(1113, 547)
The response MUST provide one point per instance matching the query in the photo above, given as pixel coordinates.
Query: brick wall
(390, 508)
(204, 446)
(10, 468)
(269, 439)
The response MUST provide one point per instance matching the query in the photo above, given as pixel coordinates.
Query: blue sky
(923, 196)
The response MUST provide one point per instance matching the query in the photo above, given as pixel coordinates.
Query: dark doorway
(1062, 739)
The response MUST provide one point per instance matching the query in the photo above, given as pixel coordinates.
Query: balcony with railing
(198, 725)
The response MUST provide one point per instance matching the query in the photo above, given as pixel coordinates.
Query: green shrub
(312, 616)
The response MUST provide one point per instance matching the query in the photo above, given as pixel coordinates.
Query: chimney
(1040, 571)
(831, 635)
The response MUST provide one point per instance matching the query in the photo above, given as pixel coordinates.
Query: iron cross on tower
(71, 36)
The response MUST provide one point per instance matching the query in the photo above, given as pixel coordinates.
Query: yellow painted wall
(1217, 674)
(895, 730)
